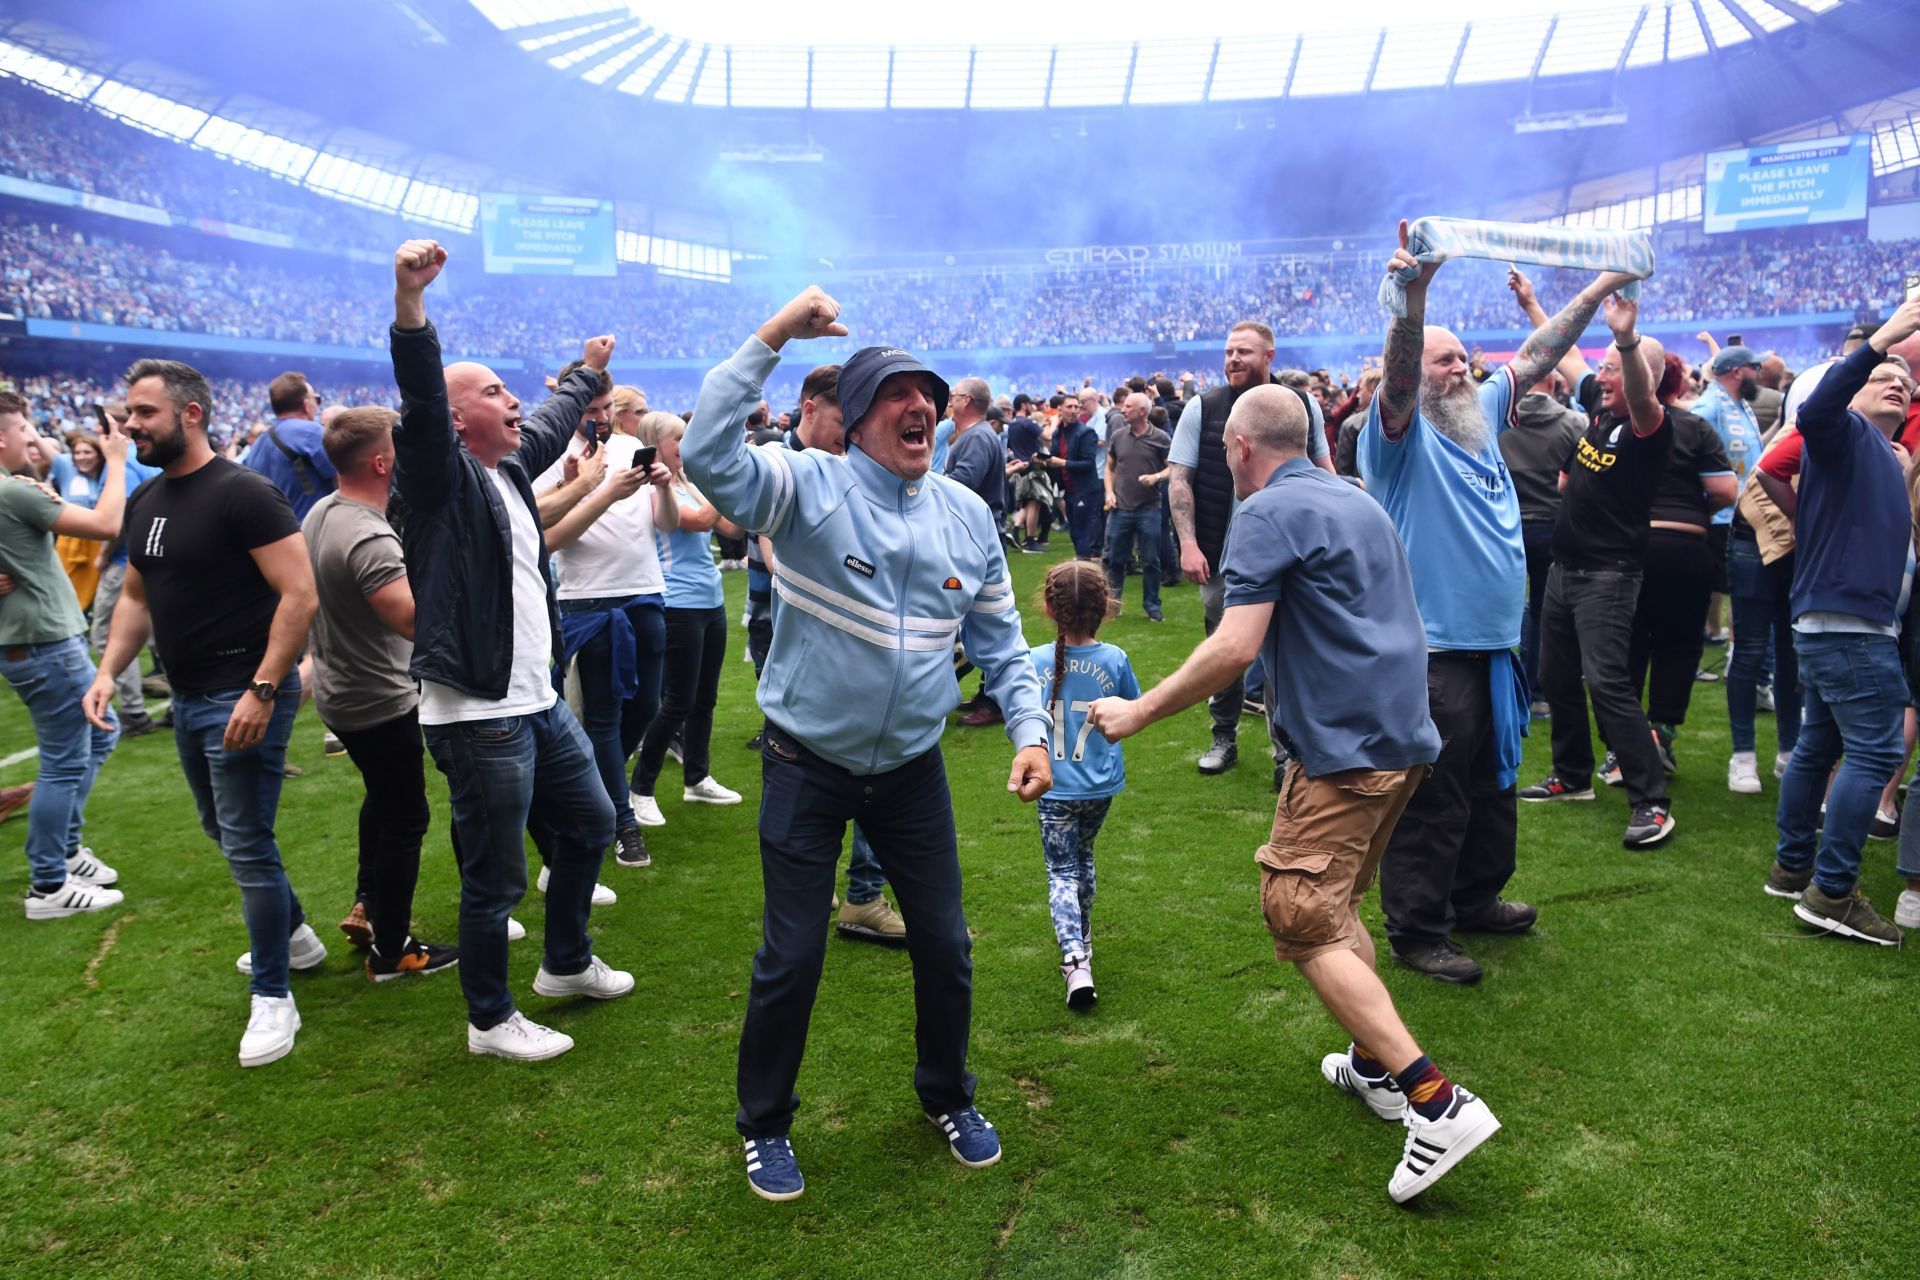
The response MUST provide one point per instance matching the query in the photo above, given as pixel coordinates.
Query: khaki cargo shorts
(1328, 835)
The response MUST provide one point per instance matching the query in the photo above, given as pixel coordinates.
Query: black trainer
(1441, 961)
(1500, 917)
(1650, 824)
(415, 957)
(1552, 788)
(630, 848)
(1221, 756)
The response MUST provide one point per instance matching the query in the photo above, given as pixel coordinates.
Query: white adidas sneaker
(87, 869)
(70, 899)
(1435, 1146)
(1383, 1096)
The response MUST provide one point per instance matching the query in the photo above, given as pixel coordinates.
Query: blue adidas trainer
(772, 1171)
(970, 1137)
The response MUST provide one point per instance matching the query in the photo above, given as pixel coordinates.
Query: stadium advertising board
(1789, 184)
(546, 235)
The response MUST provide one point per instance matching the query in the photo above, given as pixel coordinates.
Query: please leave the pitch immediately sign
(547, 235)
(1788, 184)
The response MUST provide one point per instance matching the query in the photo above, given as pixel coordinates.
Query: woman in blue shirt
(696, 637)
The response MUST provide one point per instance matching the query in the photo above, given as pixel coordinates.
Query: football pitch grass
(1690, 1085)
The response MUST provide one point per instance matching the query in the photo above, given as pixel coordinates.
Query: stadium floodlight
(1567, 121)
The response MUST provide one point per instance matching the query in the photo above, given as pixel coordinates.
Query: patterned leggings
(1067, 832)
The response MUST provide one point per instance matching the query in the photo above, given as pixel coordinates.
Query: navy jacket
(1081, 453)
(1853, 523)
(455, 538)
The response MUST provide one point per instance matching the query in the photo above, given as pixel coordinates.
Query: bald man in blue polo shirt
(1313, 570)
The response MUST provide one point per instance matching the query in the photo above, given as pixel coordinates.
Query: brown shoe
(982, 717)
(14, 799)
(355, 926)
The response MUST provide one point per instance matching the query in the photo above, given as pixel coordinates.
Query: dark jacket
(1853, 525)
(1081, 453)
(456, 540)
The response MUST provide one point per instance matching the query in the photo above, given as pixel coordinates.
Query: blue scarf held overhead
(1432, 240)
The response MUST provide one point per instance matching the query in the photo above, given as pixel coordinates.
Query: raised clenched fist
(416, 263)
(597, 352)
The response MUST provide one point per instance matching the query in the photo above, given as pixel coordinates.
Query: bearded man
(1430, 454)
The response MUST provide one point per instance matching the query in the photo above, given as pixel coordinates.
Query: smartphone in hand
(643, 457)
(1913, 285)
(100, 410)
(592, 432)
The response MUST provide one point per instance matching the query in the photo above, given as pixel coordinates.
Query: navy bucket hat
(867, 368)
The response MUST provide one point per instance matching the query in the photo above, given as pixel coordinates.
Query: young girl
(1088, 771)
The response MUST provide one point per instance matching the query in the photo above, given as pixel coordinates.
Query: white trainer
(304, 951)
(1743, 774)
(70, 899)
(708, 791)
(646, 810)
(1382, 1095)
(520, 1038)
(1780, 763)
(1906, 912)
(1435, 1146)
(270, 1031)
(598, 980)
(515, 930)
(87, 869)
(1078, 972)
(602, 896)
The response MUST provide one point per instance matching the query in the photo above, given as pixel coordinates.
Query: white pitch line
(18, 756)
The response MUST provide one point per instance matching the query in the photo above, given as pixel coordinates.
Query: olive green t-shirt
(41, 607)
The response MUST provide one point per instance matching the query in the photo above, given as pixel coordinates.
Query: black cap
(867, 368)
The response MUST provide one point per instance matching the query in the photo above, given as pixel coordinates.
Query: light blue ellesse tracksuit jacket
(875, 576)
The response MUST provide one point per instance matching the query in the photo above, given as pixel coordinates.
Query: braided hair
(1075, 596)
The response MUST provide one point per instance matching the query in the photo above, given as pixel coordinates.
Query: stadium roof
(826, 58)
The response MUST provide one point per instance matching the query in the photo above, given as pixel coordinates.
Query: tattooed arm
(1406, 345)
(1555, 338)
(1193, 561)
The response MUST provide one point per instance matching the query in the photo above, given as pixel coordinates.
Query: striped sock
(1428, 1092)
(1371, 1068)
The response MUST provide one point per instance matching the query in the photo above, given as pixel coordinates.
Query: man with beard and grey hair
(1430, 454)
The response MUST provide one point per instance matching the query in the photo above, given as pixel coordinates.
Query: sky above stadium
(781, 22)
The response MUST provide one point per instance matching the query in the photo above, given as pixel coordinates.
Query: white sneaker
(518, 1037)
(597, 980)
(1078, 972)
(602, 896)
(1906, 912)
(1780, 763)
(646, 811)
(1743, 774)
(1382, 1095)
(89, 870)
(707, 791)
(515, 930)
(304, 951)
(270, 1031)
(70, 899)
(1435, 1146)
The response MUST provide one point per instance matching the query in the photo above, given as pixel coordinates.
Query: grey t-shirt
(1535, 449)
(1135, 456)
(359, 663)
(976, 458)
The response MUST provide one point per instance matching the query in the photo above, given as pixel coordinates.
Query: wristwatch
(264, 691)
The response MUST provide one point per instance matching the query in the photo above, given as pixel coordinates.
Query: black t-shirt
(1022, 438)
(1611, 476)
(191, 540)
(1696, 454)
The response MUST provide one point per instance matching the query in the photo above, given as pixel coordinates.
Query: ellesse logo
(951, 584)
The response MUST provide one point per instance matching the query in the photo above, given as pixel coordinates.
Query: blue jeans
(500, 773)
(1124, 529)
(1762, 621)
(238, 796)
(613, 726)
(865, 880)
(51, 679)
(805, 805)
(1856, 698)
(1068, 829)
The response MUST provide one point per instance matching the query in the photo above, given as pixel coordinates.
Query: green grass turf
(1690, 1086)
